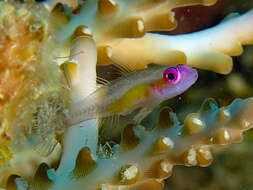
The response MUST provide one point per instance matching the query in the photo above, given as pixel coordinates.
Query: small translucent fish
(138, 90)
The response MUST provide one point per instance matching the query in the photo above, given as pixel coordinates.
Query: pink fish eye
(171, 75)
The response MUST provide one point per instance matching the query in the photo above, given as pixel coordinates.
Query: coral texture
(48, 57)
(32, 88)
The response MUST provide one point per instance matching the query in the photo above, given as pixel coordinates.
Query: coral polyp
(55, 54)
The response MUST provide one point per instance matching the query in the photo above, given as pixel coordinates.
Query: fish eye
(171, 75)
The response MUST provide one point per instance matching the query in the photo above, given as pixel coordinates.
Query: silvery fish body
(144, 89)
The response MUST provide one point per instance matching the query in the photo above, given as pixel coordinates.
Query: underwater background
(50, 54)
(232, 167)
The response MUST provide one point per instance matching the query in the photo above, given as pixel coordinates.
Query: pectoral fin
(142, 114)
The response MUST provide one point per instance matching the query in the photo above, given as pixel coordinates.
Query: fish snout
(188, 73)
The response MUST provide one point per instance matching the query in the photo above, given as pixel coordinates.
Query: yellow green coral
(33, 90)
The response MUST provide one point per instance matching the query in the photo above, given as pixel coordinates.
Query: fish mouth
(188, 72)
(196, 75)
(189, 76)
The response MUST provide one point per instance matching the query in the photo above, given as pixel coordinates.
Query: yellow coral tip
(204, 156)
(129, 174)
(164, 169)
(193, 124)
(104, 55)
(107, 6)
(163, 144)
(190, 157)
(222, 137)
(82, 31)
(223, 115)
(137, 27)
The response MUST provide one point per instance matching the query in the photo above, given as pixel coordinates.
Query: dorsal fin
(102, 81)
(123, 69)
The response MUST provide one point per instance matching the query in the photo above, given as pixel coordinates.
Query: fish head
(173, 81)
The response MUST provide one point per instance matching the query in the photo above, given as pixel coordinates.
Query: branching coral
(117, 30)
(216, 43)
(145, 158)
(104, 32)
